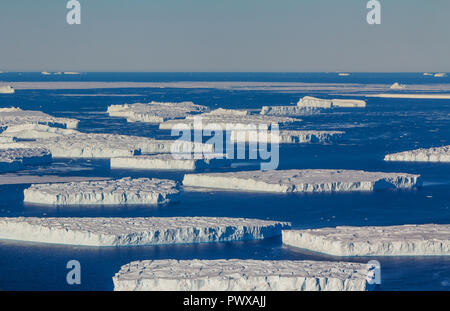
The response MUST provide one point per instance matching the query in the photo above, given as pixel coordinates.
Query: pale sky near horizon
(225, 35)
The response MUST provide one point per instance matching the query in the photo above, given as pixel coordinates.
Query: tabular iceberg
(169, 162)
(119, 191)
(240, 275)
(302, 180)
(155, 112)
(290, 111)
(284, 137)
(438, 154)
(6, 89)
(36, 131)
(17, 116)
(314, 102)
(136, 231)
(15, 159)
(406, 240)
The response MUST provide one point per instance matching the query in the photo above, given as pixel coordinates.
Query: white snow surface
(155, 112)
(397, 86)
(437, 154)
(120, 231)
(284, 136)
(404, 240)
(289, 111)
(17, 116)
(240, 275)
(312, 180)
(105, 192)
(36, 131)
(170, 161)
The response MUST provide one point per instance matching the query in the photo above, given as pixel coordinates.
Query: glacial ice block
(314, 102)
(15, 159)
(169, 161)
(90, 145)
(17, 116)
(226, 119)
(6, 89)
(240, 275)
(155, 112)
(36, 131)
(302, 180)
(405, 240)
(437, 154)
(118, 191)
(136, 231)
(289, 111)
(284, 137)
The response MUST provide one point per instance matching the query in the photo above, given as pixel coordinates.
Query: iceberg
(240, 275)
(17, 116)
(313, 102)
(290, 111)
(35, 131)
(155, 112)
(169, 161)
(437, 154)
(287, 181)
(285, 137)
(122, 231)
(16, 159)
(404, 240)
(397, 86)
(106, 192)
(225, 119)
(440, 75)
(7, 89)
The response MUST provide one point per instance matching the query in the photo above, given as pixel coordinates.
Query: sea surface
(384, 126)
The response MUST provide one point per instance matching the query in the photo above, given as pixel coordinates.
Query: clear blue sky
(225, 35)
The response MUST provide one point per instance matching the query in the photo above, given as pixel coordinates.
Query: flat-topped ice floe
(290, 111)
(405, 240)
(90, 145)
(285, 181)
(118, 191)
(314, 102)
(6, 89)
(284, 136)
(170, 161)
(437, 154)
(226, 119)
(137, 231)
(17, 116)
(16, 159)
(155, 112)
(240, 275)
(36, 131)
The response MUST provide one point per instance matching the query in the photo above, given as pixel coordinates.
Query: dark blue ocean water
(385, 126)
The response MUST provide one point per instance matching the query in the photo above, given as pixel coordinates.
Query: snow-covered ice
(170, 161)
(225, 119)
(6, 89)
(122, 231)
(440, 75)
(284, 136)
(155, 112)
(397, 86)
(317, 180)
(404, 240)
(437, 154)
(116, 191)
(17, 116)
(15, 159)
(36, 131)
(290, 111)
(314, 102)
(240, 275)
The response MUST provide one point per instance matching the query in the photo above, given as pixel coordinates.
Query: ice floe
(117, 191)
(290, 111)
(397, 86)
(16, 159)
(17, 116)
(6, 89)
(437, 154)
(170, 161)
(240, 275)
(284, 136)
(404, 240)
(36, 131)
(317, 180)
(121, 231)
(155, 112)
(314, 102)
